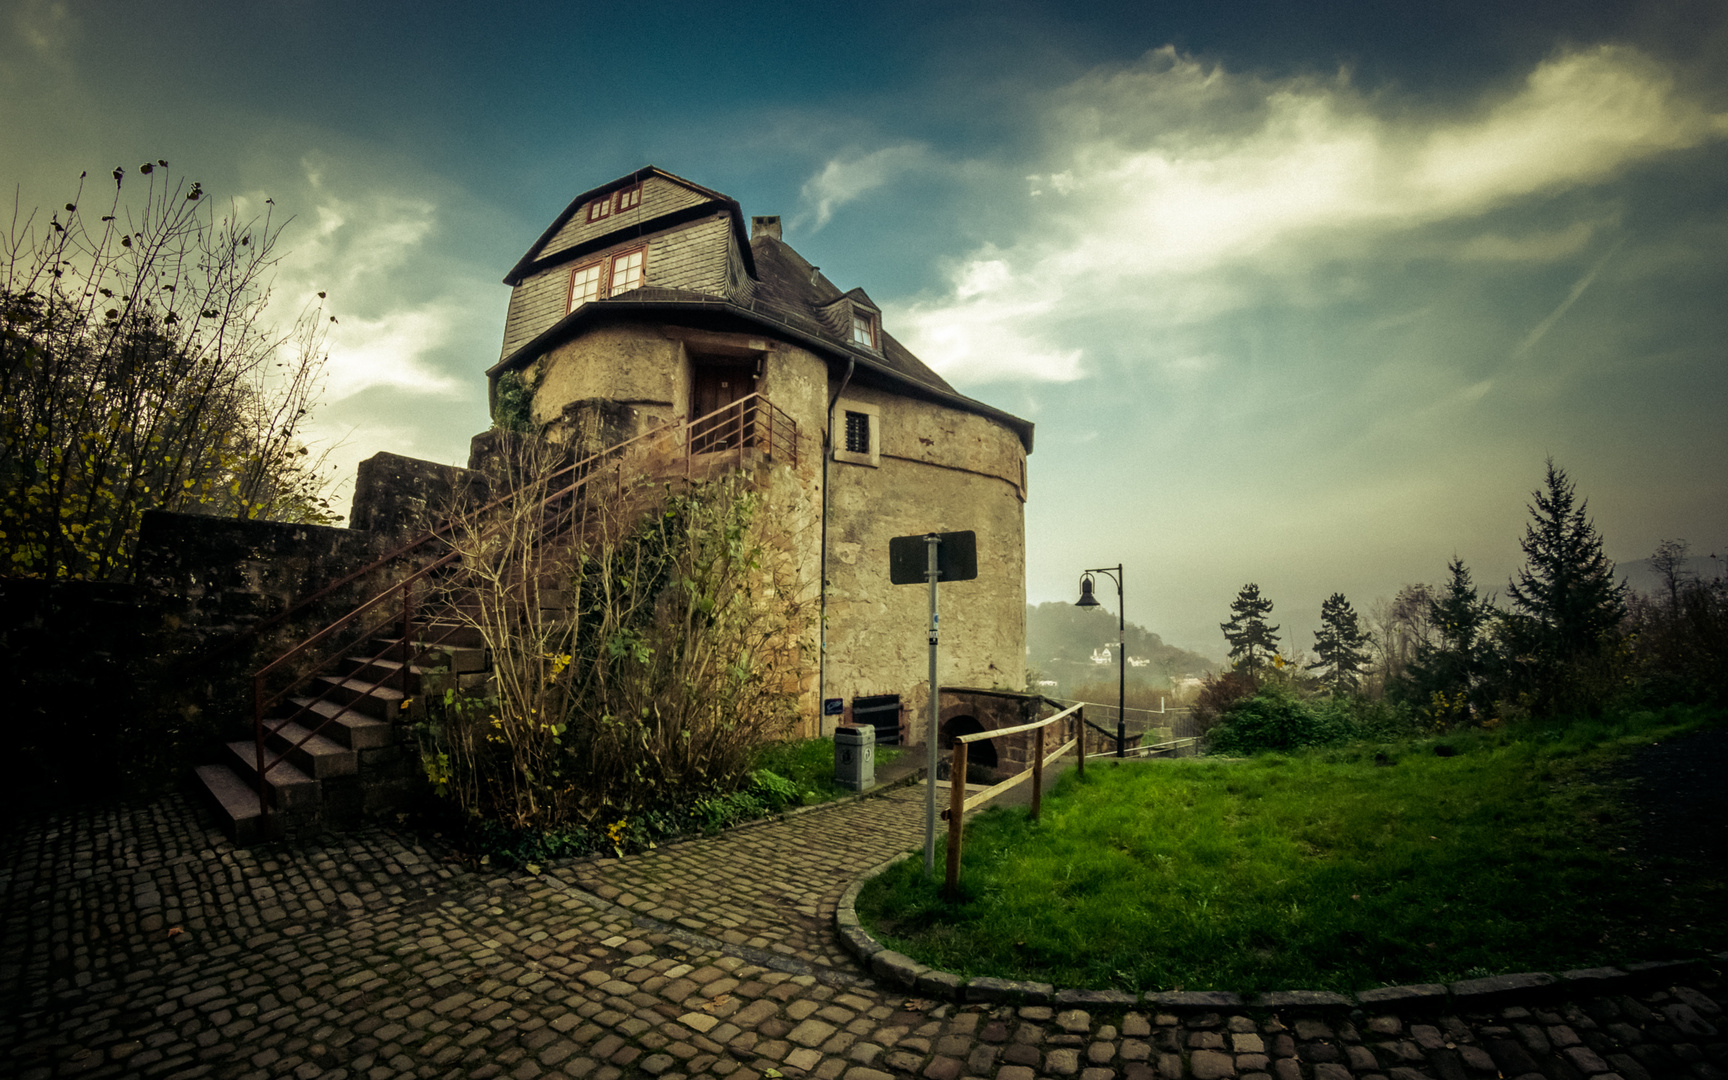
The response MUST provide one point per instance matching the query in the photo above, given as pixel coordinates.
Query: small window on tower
(629, 198)
(857, 433)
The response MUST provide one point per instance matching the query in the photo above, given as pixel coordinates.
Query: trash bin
(855, 757)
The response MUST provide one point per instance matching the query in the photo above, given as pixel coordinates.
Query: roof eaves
(555, 333)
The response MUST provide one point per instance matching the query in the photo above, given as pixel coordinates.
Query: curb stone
(1515, 988)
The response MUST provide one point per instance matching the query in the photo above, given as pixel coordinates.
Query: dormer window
(863, 328)
(615, 202)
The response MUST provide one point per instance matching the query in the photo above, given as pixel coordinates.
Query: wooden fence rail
(1075, 720)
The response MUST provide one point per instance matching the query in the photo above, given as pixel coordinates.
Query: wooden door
(715, 386)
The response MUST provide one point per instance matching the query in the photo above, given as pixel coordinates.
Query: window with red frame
(615, 202)
(616, 273)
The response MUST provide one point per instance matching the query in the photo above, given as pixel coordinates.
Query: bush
(1219, 694)
(1275, 718)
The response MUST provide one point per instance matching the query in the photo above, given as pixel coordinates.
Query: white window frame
(605, 271)
(872, 324)
(851, 457)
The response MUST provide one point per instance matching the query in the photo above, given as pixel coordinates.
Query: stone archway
(980, 754)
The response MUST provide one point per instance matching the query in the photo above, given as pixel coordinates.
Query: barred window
(857, 433)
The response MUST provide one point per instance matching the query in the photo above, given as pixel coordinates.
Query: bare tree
(1669, 562)
(1400, 627)
(139, 370)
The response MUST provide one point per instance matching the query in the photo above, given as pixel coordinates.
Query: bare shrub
(639, 657)
(1218, 693)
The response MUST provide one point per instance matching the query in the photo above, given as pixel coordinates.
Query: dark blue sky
(1301, 294)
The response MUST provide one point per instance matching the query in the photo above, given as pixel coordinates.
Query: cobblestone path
(139, 942)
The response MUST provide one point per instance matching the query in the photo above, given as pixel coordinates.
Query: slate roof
(789, 288)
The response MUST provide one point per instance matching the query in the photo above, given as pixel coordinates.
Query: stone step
(317, 755)
(378, 702)
(236, 806)
(290, 789)
(384, 671)
(450, 634)
(353, 729)
(457, 658)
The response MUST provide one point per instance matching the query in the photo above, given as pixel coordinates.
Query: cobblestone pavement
(139, 942)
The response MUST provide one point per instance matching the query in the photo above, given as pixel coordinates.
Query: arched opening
(980, 754)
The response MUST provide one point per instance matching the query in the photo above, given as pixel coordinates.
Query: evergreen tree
(1247, 632)
(1569, 604)
(1340, 644)
(1446, 676)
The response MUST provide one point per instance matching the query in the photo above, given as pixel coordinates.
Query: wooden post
(956, 815)
(1080, 724)
(1038, 773)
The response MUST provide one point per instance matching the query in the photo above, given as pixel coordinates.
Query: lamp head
(1086, 597)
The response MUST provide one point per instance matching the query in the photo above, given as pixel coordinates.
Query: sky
(1297, 294)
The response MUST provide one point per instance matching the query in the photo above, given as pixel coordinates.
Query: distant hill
(1061, 640)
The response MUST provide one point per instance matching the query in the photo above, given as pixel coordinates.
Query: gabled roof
(531, 261)
(790, 297)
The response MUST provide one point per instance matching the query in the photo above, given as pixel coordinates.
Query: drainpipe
(822, 608)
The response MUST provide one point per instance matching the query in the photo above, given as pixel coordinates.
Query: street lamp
(1087, 599)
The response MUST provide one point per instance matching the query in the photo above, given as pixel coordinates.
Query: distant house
(647, 301)
(1102, 655)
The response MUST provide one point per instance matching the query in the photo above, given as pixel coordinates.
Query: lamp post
(1087, 599)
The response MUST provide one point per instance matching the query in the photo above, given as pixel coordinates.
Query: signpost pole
(933, 545)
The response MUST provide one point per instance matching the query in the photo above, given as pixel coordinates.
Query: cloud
(390, 351)
(842, 180)
(1578, 287)
(361, 247)
(1170, 192)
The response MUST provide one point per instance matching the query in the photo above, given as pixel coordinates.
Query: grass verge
(1341, 869)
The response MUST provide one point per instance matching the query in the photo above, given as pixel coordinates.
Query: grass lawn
(809, 764)
(1335, 869)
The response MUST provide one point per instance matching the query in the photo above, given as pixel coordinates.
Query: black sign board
(833, 706)
(956, 558)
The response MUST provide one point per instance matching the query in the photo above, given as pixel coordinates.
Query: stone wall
(67, 654)
(939, 469)
(404, 495)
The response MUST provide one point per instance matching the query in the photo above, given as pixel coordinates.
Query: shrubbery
(1276, 717)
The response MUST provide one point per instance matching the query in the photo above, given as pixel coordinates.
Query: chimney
(765, 226)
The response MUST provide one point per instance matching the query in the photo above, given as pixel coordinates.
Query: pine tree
(1340, 645)
(1566, 588)
(1247, 632)
(1446, 675)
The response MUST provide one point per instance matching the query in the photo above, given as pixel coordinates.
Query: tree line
(1567, 638)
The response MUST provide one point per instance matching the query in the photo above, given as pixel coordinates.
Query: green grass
(1335, 869)
(809, 764)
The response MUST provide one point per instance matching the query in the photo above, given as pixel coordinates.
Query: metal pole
(932, 542)
(1122, 672)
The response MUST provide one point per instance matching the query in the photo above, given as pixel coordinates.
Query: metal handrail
(753, 420)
